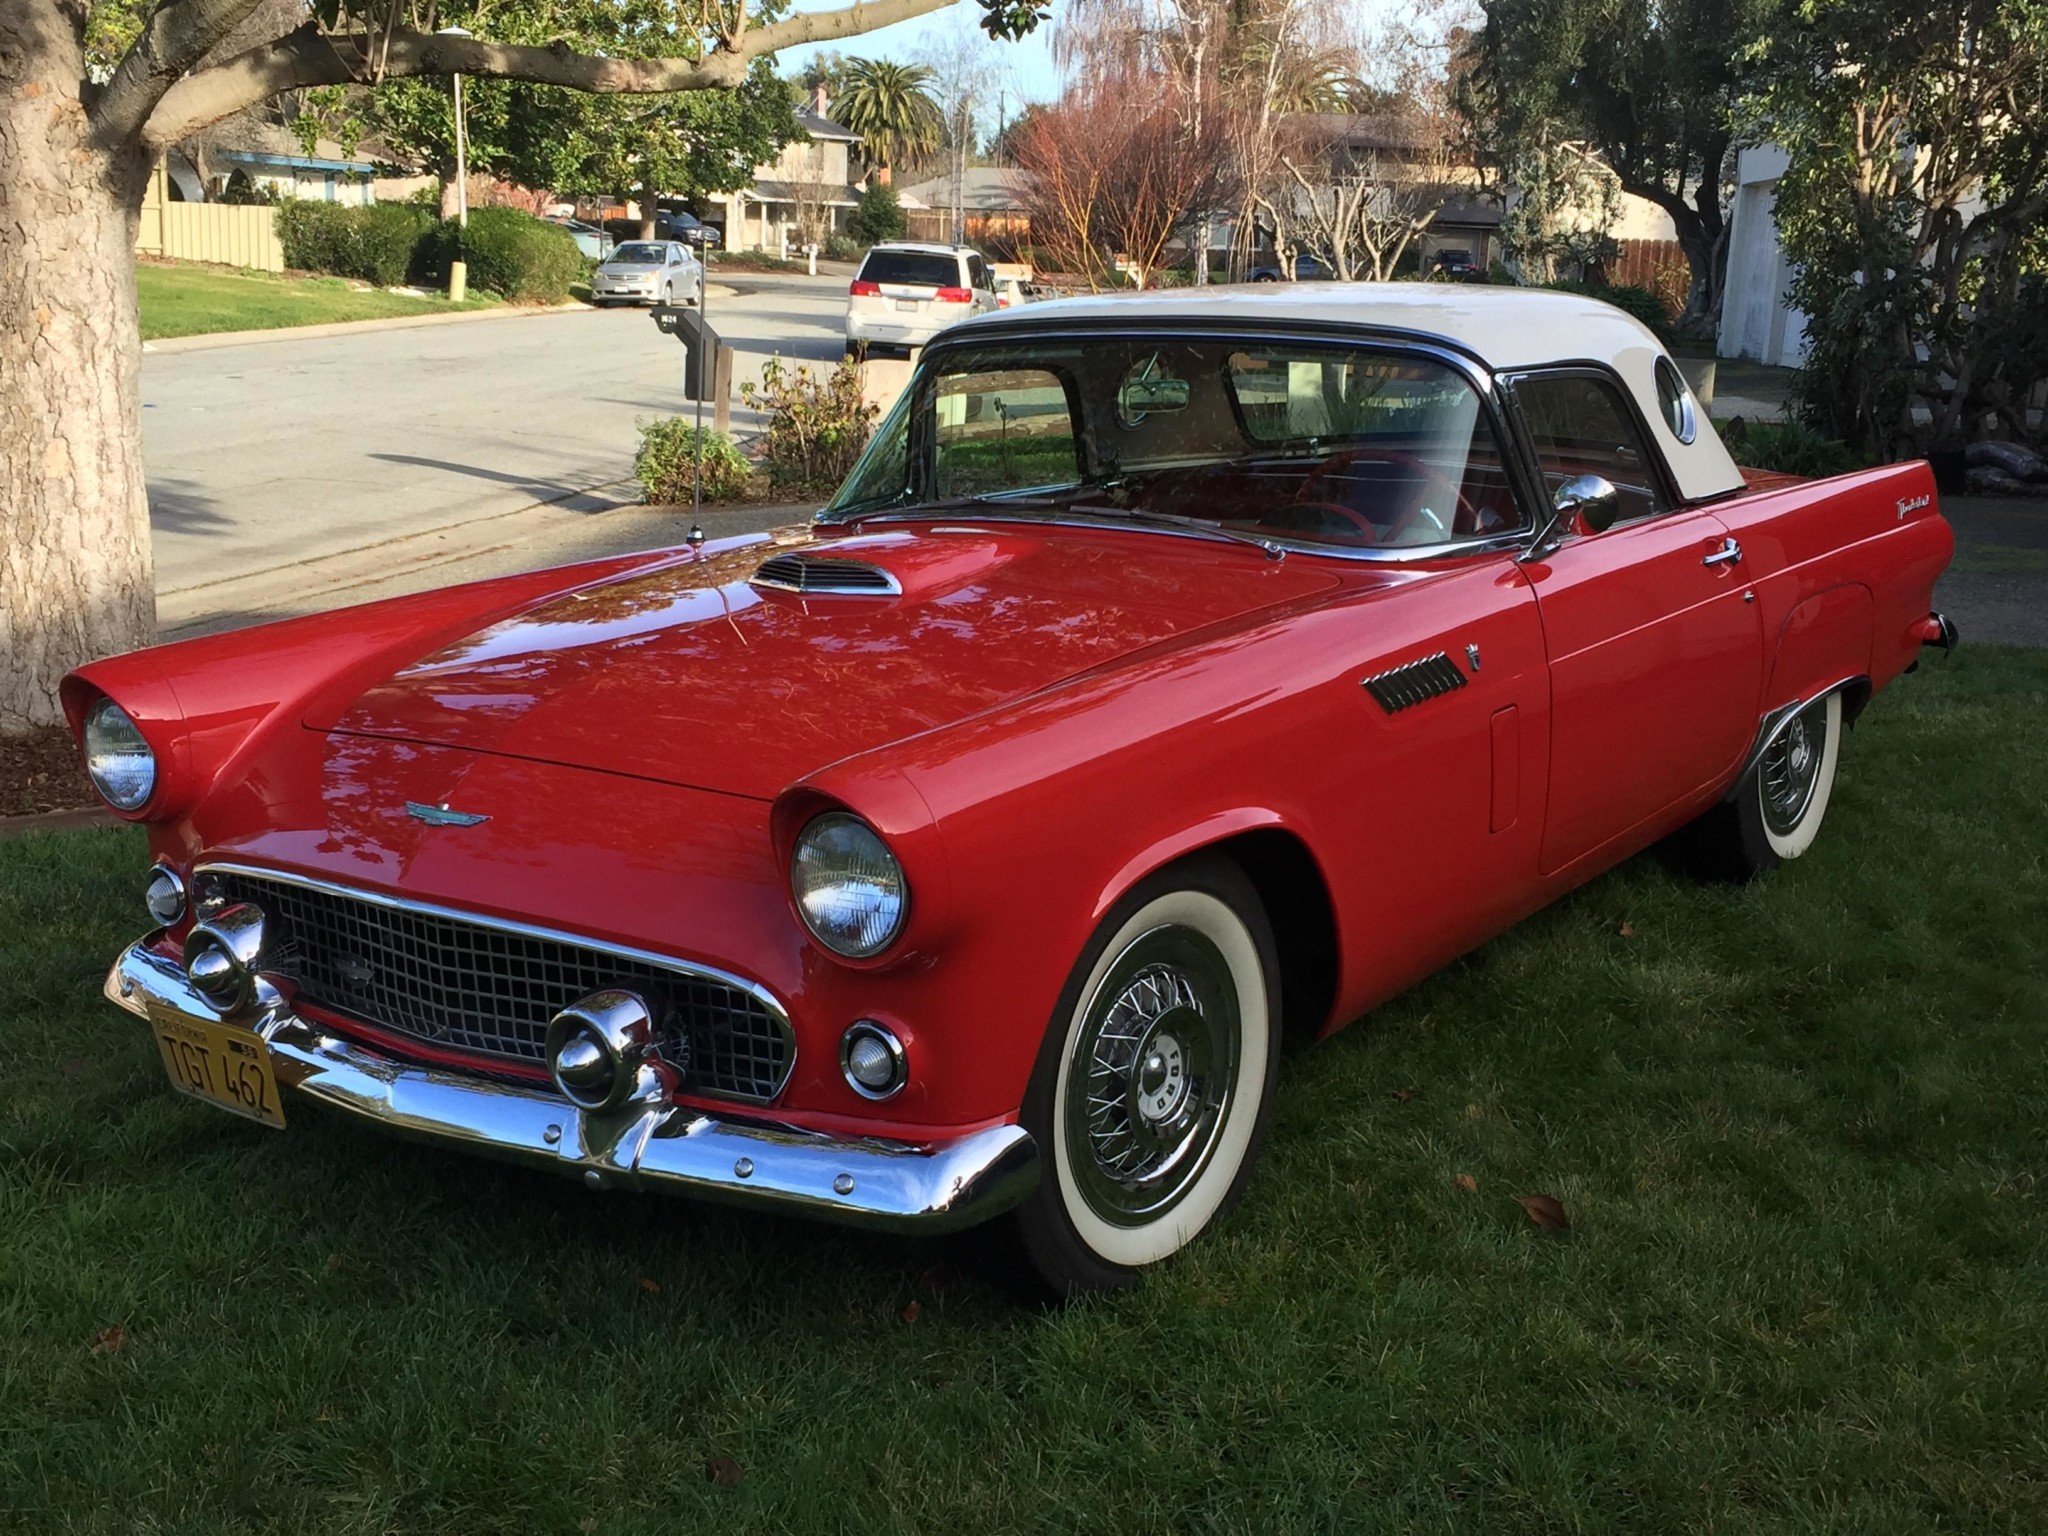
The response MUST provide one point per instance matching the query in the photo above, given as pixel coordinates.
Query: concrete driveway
(269, 454)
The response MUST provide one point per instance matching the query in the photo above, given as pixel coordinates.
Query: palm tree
(888, 106)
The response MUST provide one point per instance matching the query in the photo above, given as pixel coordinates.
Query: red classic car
(1172, 666)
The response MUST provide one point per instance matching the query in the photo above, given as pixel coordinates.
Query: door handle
(1727, 554)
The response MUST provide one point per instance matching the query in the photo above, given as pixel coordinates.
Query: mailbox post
(707, 375)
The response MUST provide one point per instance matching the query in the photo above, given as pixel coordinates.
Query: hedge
(509, 252)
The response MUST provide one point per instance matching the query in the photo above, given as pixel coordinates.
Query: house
(261, 155)
(991, 204)
(807, 177)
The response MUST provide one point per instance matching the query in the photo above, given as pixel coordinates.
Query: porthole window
(1675, 401)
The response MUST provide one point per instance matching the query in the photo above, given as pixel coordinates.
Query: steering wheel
(1417, 512)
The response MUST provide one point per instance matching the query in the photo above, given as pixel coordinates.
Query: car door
(1655, 647)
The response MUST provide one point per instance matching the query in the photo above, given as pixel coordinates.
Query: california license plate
(223, 1065)
(911, 305)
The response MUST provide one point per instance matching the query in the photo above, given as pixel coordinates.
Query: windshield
(1307, 441)
(639, 254)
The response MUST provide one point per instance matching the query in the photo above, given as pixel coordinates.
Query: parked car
(1171, 667)
(1307, 269)
(590, 240)
(906, 293)
(648, 272)
(1456, 266)
(686, 227)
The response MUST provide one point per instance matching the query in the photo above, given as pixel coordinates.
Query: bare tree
(1361, 208)
(80, 131)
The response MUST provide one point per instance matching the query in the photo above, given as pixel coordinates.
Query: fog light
(222, 954)
(873, 1061)
(164, 896)
(600, 1051)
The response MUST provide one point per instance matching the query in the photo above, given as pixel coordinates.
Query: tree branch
(177, 36)
(308, 57)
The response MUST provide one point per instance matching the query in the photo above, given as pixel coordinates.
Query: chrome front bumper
(894, 1186)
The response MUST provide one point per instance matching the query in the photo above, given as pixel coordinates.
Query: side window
(977, 272)
(1581, 427)
(1001, 431)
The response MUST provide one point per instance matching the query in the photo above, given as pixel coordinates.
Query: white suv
(905, 294)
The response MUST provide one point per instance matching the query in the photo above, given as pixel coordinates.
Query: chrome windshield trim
(964, 336)
(753, 989)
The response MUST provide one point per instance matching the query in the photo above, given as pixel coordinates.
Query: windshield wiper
(1196, 525)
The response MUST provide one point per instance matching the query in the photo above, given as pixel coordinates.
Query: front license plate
(222, 1065)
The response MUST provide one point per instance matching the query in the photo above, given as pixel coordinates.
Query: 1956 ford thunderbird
(1170, 666)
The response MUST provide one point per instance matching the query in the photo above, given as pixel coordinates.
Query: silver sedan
(648, 272)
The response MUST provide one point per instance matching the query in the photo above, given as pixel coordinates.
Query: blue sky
(1029, 63)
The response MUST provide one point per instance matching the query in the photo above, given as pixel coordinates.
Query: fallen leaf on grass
(335, 1261)
(587, 1524)
(1546, 1211)
(724, 1471)
(77, 1068)
(110, 1341)
(1403, 1095)
(1627, 932)
(651, 1287)
(913, 1312)
(1467, 1183)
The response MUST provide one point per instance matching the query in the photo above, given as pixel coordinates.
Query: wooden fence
(1658, 265)
(997, 235)
(223, 233)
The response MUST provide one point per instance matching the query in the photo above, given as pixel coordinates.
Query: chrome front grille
(479, 985)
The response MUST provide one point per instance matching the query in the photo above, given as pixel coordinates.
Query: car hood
(692, 673)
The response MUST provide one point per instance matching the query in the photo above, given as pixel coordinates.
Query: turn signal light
(955, 296)
(864, 290)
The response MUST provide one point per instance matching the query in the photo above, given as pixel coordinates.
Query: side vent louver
(812, 574)
(1413, 682)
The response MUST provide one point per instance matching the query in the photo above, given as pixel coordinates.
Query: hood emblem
(441, 816)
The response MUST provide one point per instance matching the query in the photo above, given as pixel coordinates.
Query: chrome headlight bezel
(118, 758)
(848, 887)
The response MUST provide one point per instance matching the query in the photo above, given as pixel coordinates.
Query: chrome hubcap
(1152, 1076)
(1790, 771)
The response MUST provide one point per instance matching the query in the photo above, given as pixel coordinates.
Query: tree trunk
(647, 210)
(75, 572)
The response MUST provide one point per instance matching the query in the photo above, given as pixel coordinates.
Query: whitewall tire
(1776, 811)
(1153, 1089)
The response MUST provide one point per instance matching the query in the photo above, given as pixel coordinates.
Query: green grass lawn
(1801, 1129)
(182, 300)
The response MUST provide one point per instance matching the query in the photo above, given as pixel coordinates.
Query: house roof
(819, 126)
(1503, 328)
(983, 189)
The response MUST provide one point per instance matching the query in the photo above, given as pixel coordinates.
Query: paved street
(266, 455)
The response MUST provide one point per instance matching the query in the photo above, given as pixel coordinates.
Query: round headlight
(122, 767)
(848, 886)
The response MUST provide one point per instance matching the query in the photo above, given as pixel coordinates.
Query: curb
(56, 821)
(211, 339)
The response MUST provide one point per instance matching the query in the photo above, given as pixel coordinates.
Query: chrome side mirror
(1585, 504)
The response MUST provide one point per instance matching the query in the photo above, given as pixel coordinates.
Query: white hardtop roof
(1504, 328)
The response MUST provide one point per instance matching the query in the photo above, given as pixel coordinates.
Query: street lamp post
(458, 269)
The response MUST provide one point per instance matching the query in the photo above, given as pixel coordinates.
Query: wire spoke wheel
(1790, 770)
(1154, 1074)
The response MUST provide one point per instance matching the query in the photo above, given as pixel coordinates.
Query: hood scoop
(822, 574)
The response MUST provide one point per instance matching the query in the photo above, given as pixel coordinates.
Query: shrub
(1789, 448)
(666, 462)
(509, 252)
(842, 248)
(376, 243)
(877, 216)
(816, 426)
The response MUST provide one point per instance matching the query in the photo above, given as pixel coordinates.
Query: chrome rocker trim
(884, 1185)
